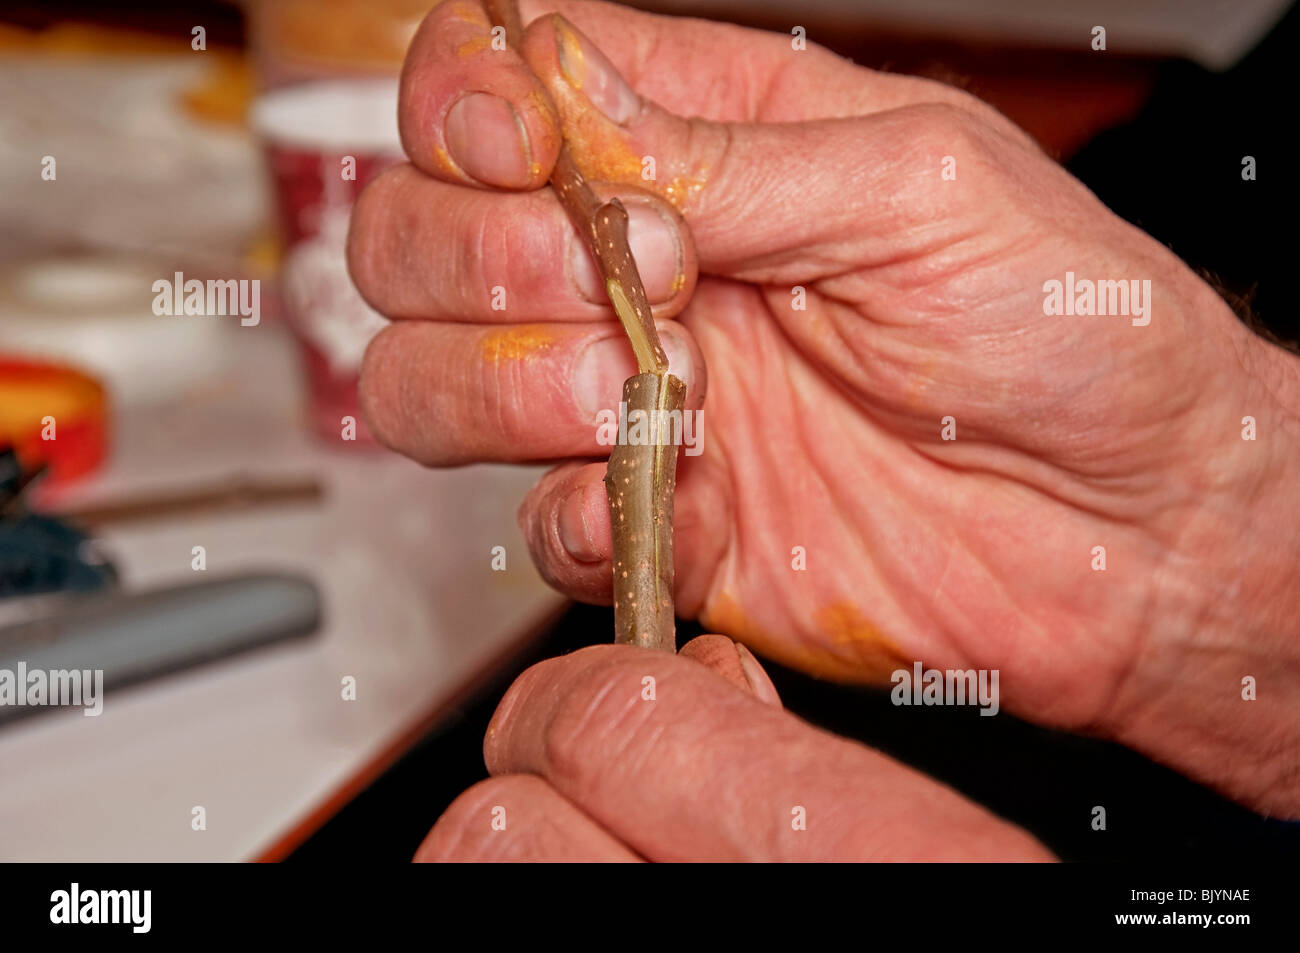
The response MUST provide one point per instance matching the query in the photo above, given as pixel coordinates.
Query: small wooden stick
(639, 482)
(640, 479)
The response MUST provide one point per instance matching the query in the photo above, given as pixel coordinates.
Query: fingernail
(487, 141)
(656, 246)
(601, 368)
(762, 686)
(598, 376)
(573, 526)
(585, 68)
(681, 362)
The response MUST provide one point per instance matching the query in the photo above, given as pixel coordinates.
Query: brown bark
(640, 479)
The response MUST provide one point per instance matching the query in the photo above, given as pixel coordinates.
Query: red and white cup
(324, 141)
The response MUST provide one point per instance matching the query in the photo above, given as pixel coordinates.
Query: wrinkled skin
(586, 768)
(924, 300)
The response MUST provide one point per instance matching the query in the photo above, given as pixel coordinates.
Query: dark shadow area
(1176, 173)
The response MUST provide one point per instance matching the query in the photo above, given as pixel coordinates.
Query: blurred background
(304, 635)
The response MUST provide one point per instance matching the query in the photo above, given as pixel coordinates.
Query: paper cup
(324, 141)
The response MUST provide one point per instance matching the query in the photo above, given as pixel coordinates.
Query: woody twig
(641, 478)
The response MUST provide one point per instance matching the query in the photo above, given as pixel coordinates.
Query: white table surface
(413, 609)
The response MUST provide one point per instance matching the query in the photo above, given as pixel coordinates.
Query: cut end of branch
(650, 357)
(625, 290)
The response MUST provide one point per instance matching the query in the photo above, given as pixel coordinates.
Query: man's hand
(918, 230)
(618, 754)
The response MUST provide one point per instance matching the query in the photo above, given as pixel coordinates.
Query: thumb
(733, 662)
(765, 201)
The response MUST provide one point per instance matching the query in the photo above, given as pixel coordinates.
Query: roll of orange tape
(53, 415)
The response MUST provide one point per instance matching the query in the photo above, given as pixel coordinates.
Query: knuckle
(503, 399)
(369, 236)
(937, 131)
(539, 522)
(599, 725)
(947, 127)
(528, 514)
(476, 252)
(378, 377)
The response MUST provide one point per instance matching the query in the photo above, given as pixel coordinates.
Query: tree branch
(641, 478)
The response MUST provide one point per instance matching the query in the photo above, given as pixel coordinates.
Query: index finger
(470, 110)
